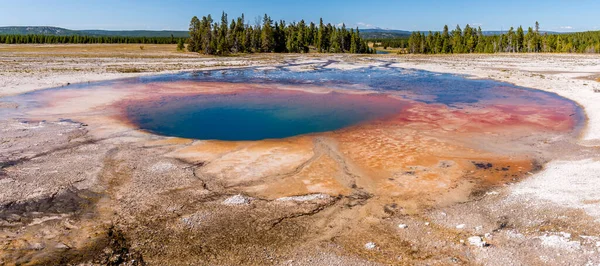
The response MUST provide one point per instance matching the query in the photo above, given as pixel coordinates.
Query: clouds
(566, 27)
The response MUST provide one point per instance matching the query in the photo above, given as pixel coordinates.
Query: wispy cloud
(566, 27)
(476, 24)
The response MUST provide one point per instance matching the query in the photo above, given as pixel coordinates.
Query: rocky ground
(90, 190)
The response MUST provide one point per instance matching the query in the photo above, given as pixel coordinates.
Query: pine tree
(511, 40)
(222, 40)
(353, 48)
(321, 37)
(267, 40)
(446, 40)
(457, 40)
(180, 45)
(520, 39)
(194, 42)
(302, 37)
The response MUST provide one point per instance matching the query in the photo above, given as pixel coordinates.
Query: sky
(553, 15)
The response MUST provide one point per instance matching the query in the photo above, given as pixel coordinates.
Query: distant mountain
(497, 32)
(383, 34)
(136, 33)
(393, 34)
(494, 32)
(47, 30)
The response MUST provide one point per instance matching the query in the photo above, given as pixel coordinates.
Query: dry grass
(95, 50)
(127, 70)
(82, 48)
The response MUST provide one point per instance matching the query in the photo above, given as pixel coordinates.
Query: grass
(78, 48)
(128, 70)
(391, 50)
(94, 50)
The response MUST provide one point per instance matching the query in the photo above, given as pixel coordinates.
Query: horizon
(376, 28)
(111, 15)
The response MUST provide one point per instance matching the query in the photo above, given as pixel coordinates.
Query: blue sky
(554, 15)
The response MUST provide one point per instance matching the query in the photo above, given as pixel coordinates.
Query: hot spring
(249, 104)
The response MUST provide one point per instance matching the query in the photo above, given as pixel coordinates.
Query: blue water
(277, 115)
(440, 88)
(255, 116)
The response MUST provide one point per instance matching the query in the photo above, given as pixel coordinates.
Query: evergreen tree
(195, 42)
(520, 39)
(222, 40)
(266, 36)
(353, 42)
(322, 35)
(446, 45)
(457, 40)
(180, 45)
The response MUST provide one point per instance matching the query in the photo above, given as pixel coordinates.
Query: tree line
(390, 43)
(471, 40)
(266, 36)
(82, 39)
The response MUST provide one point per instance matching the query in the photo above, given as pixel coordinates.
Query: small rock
(598, 244)
(402, 226)
(462, 241)
(478, 228)
(237, 200)
(61, 246)
(426, 223)
(477, 241)
(460, 226)
(37, 246)
(370, 246)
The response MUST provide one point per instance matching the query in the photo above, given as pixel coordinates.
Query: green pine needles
(473, 40)
(266, 36)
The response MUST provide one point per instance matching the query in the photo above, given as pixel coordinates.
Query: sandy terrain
(91, 190)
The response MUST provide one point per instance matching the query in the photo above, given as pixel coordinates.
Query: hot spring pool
(256, 115)
(256, 103)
